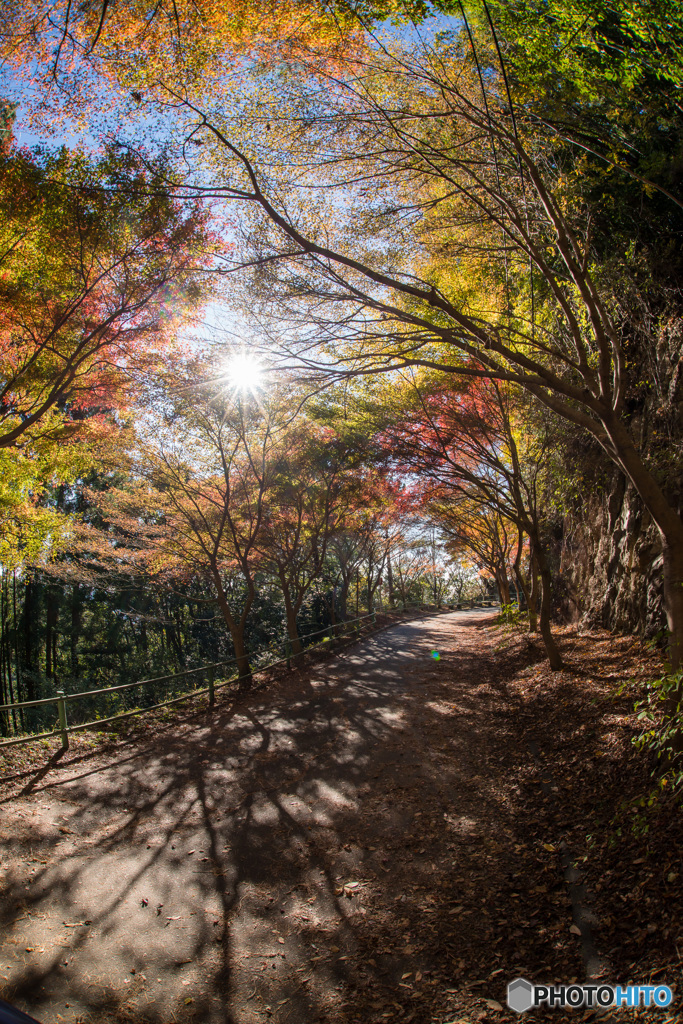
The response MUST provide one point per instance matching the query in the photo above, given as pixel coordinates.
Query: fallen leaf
(574, 930)
(493, 1005)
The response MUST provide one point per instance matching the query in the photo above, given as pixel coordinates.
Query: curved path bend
(339, 849)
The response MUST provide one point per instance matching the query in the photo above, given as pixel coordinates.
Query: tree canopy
(450, 232)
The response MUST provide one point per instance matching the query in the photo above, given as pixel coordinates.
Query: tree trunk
(535, 594)
(523, 585)
(390, 583)
(6, 696)
(29, 621)
(554, 656)
(292, 629)
(402, 592)
(244, 673)
(372, 590)
(76, 608)
(344, 599)
(236, 628)
(50, 631)
(503, 587)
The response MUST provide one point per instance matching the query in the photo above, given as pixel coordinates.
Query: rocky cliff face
(610, 564)
(607, 553)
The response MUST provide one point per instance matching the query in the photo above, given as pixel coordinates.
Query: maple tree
(482, 459)
(98, 265)
(313, 498)
(427, 201)
(88, 63)
(229, 497)
(362, 548)
(409, 563)
(473, 528)
(98, 260)
(211, 476)
(463, 248)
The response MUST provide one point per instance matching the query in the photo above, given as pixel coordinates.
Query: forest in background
(450, 239)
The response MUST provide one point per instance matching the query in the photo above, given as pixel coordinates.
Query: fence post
(374, 618)
(212, 695)
(288, 652)
(61, 710)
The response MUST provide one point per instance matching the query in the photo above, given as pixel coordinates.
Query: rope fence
(33, 715)
(214, 674)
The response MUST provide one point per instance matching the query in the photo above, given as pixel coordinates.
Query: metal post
(63, 728)
(212, 695)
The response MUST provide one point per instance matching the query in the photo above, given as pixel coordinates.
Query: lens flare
(244, 372)
(436, 656)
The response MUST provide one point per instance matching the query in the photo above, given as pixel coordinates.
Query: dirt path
(350, 850)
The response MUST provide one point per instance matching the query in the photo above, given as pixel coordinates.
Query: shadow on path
(342, 853)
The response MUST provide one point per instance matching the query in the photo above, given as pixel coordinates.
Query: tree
(483, 459)
(81, 58)
(92, 253)
(209, 480)
(473, 529)
(362, 548)
(443, 159)
(410, 564)
(311, 497)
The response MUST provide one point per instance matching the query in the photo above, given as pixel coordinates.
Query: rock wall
(609, 563)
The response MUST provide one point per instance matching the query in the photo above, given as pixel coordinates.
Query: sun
(244, 372)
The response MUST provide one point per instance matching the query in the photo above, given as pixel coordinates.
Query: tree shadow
(343, 852)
